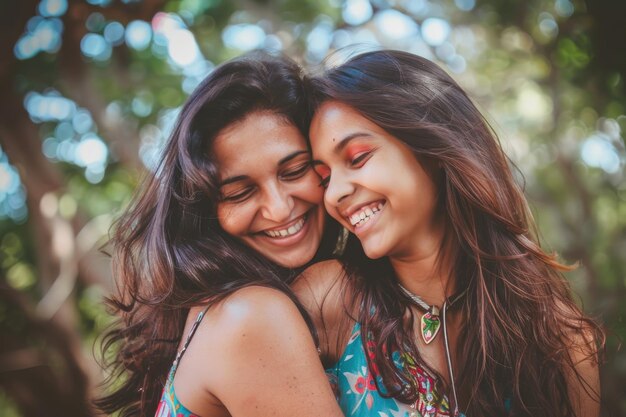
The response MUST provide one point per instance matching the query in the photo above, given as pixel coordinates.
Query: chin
(295, 260)
(374, 252)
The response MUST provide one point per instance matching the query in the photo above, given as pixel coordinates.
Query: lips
(288, 229)
(365, 213)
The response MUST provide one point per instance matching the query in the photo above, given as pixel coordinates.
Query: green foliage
(535, 67)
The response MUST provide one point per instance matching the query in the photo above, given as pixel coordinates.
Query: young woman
(204, 255)
(448, 306)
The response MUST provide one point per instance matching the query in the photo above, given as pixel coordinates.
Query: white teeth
(292, 230)
(364, 215)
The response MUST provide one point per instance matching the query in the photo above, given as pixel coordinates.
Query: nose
(278, 203)
(339, 187)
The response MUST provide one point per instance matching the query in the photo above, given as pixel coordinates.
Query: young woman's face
(374, 184)
(270, 196)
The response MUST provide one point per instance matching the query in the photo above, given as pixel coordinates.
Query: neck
(428, 274)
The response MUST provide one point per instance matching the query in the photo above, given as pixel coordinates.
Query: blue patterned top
(356, 390)
(169, 405)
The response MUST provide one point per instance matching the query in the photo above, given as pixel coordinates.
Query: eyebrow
(233, 179)
(284, 160)
(343, 143)
(291, 156)
(346, 139)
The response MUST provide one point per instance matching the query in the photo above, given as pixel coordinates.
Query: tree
(549, 73)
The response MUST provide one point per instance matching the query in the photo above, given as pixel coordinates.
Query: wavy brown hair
(170, 252)
(514, 354)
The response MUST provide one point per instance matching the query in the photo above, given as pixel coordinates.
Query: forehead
(334, 121)
(260, 140)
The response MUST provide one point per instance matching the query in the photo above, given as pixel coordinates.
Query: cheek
(235, 220)
(309, 189)
(332, 210)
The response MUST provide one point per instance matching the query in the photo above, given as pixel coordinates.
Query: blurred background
(89, 90)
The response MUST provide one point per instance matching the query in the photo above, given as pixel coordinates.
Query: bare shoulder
(252, 325)
(250, 316)
(251, 308)
(580, 332)
(250, 328)
(263, 347)
(583, 379)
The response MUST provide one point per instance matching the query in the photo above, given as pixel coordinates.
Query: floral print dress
(356, 389)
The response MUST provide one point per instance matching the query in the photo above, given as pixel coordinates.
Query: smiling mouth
(287, 231)
(365, 213)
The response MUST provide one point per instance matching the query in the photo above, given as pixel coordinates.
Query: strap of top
(194, 327)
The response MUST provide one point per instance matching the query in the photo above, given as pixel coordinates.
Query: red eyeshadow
(322, 170)
(353, 150)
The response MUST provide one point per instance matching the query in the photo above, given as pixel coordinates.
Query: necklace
(429, 327)
(430, 323)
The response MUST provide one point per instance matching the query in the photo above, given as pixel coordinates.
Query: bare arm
(266, 363)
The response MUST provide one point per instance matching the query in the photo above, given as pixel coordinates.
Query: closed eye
(296, 172)
(360, 158)
(238, 196)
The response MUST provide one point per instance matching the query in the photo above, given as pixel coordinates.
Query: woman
(448, 306)
(205, 253)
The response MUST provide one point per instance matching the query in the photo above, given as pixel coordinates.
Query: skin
(362, 165)
(243, 361)
(268, 188)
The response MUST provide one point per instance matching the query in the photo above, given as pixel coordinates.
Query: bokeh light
(182, 47)
(101, 3)
(435, 31)
(114, 33)
(597, 151)
(138, 34)
(319, 40)
(12, 195)
(48, 106)
(465, 5)
(547, 25)
(51, 8)
(95, 22)
(564, 8)
(243, 37)
(395, 25)
(93, 45)
(357, 12)
(41, 35)
(82, 121)
(91, 150)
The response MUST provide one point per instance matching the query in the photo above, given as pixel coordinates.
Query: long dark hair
(170, 252)
(519, 319)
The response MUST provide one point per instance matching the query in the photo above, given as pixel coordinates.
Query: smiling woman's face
(375, 186)
(270, 197)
